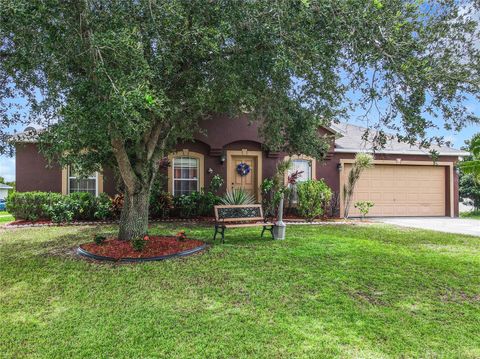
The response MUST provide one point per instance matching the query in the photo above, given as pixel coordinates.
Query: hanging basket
(243, 169)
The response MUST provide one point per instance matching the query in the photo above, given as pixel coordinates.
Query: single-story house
(404, 181)
(4, 190)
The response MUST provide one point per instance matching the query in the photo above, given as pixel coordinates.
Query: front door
(247, 182)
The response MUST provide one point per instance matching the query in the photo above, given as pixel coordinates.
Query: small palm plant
(237, 196)
(362, 162)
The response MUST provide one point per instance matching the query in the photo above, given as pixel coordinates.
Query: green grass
(333, 291)
(471, 215)
(5, 217)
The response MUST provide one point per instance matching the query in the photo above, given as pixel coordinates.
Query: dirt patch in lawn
(156, 246)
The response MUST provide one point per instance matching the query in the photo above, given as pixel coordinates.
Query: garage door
(399, 190)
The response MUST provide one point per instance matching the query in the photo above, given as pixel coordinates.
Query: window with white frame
(303, 166)
(304, 169)
(185, 175)
(77, 183)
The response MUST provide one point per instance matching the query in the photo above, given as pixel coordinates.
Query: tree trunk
(134, 217)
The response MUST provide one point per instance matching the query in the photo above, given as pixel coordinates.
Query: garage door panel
(401, 190)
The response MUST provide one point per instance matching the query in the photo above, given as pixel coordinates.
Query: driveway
(441, 224)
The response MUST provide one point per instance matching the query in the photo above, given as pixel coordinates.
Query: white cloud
(7, 168)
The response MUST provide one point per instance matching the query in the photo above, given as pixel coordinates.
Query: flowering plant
(181, 236)
(293, 177)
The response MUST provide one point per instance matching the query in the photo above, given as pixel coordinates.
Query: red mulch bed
(156, 246)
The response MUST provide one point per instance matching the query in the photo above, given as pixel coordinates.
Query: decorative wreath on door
(243, 169)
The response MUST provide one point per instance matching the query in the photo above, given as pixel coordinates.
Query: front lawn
(5, 217)
(333, 291)
(471, 215)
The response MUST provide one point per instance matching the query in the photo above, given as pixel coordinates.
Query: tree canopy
(119, 83)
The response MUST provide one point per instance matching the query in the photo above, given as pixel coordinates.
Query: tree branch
(124, 165)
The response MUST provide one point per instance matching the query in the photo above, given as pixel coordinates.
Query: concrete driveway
(441, 224)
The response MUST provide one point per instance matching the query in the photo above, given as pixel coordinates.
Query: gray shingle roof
(351, 141)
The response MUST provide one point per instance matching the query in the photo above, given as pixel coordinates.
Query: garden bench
(237, 216)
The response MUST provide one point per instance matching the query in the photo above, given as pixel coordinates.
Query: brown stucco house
(403, 182)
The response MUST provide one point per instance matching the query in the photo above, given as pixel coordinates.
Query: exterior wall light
(223, 157)
(339, 167)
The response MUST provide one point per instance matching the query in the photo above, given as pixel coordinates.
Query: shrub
(273, 188)
(185, 205)
(364, 207)
(181, 236)
(196, 204)
(83, 204)
(62, 210)
(138, 244)
(99, 239)
(237, 196)
(215, 183)
(30, 206)
(160, 204)
(205, 203)
(33, 206)
(117, 205)
(312, 196)
(103, 207)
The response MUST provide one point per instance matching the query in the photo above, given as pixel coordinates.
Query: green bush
(30, 206)
(62, 211)
(196, 204)
(364, 207)
(161, 203)
(185, 206)
(34, 206)
(205, 203)
(83, 204)
(215, 183)
(312, 197)
(138, 244)
(99, 239)
(103, 207)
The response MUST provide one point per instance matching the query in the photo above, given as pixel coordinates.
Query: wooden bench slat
(241, 219)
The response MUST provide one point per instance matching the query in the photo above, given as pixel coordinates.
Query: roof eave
(398, 152)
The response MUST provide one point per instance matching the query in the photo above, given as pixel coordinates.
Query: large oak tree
(119, 83)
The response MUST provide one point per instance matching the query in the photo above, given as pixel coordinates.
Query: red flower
(181, 235)
(146, 238)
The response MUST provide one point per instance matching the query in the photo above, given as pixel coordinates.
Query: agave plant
(237, 196)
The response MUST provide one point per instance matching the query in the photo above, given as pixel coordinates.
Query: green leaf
(378, 4)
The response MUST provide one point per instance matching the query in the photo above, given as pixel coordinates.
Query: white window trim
(201, 168)
(74, 177)
(173, 179)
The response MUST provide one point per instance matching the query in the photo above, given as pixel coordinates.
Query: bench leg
(215, 234)
(223, 234)
(267, 228)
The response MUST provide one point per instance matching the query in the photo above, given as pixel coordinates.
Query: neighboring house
(4, 190)
(403, 182)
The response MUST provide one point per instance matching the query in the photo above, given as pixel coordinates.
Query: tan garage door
(399, 190)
